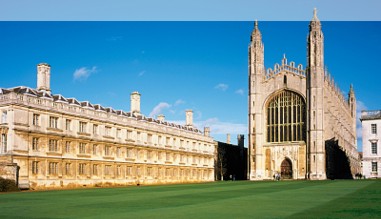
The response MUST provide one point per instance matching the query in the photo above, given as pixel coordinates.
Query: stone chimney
(135, 103)
(240, 140)
(228, 139)
(43, 77)
(189, 118)
(207, 131)
(161, 118)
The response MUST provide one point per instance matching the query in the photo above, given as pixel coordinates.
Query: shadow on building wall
(231, 161)
(337, 162)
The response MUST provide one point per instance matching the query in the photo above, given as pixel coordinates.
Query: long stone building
(48, 140)
(300, 124)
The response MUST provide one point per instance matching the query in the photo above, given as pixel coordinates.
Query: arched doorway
(286, 169)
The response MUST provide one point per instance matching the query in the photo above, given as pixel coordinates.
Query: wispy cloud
(141, 73)
(239, 91)
(179, 102)
(221, 86)
(159, 108)
(218, 127)
(83, 73)
(360, 106)
(115, 38)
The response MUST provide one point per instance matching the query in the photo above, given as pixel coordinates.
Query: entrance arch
(286, 169)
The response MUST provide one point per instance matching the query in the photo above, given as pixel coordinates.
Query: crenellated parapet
(334, 88)
(287, 68)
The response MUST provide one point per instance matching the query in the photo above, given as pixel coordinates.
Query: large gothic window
(286, 113)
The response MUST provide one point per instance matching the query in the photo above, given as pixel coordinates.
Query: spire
(256, 34)
(351, 91)
(315, 22)
(315, 18)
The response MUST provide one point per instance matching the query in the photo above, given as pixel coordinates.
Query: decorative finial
(256, 24)
(315, 13)
(284, 55)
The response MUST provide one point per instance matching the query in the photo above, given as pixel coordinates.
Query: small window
(374, 147)
(285, 80)
(374, 166)
(374, 128)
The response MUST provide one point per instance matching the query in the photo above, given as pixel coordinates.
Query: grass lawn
(239, 199)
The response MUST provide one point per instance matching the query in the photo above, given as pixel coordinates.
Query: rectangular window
(374, 128)
(118, 170)
(108, 131)
(118, 152)
(129, 152)
(4, 117)
(118, 133)
(35, 144)
(82, 127)
(149, 138)
(138, 137)
(53, 122)
(68, 168)
(35, 167)
(82, 148)
(53, 168)
(68, 125)
(374, 166)
(53, 145)
(95, 149)
(107, 150)
(374, 147)
(108, 170)
(82, 169)
(36, 120)
(95, 169)
(129, 171)
(129, 134)
(160, 140)
(67, 147)
(95, 129)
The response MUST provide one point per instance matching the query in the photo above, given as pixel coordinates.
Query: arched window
(286, 116)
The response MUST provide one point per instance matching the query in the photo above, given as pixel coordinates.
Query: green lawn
(244, 199)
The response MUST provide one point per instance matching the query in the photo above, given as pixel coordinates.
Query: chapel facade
(50, 141)
(299, 119)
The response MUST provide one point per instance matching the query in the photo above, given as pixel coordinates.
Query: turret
(135, 103)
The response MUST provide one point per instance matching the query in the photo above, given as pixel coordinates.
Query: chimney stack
(207, 131)
(228, 139)
(161, 117)
(135, 103)
(241, 140)
(189, 118)
(43, 77)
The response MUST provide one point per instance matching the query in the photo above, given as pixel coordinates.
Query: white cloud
(218, 127)
(83, 73)
(360, 106)
(179, 102)
(239, 91)
(141, 73)
(159, 108)
(221, 86)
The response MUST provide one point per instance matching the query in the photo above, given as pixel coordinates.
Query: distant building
(48, 140)
(231, 160)
(371, 137)
(300, 124)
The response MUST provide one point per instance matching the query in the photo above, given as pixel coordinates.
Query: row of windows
(118, 170)
(129, 134)
(95, 149)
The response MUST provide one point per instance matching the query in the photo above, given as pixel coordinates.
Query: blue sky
(181, 65)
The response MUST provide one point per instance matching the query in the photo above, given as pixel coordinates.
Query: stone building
(231, 160)
(53, 141)
(371, 135)
(298, 117)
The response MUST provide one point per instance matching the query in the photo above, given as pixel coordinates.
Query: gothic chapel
(300, 124)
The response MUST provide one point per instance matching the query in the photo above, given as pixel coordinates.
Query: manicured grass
(283, 199)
